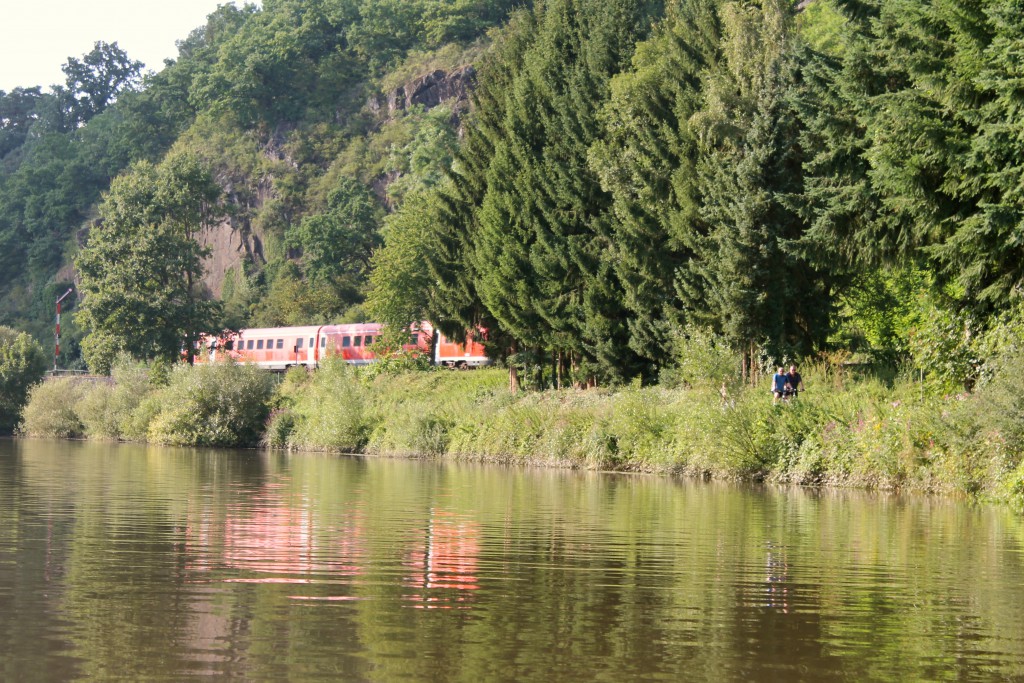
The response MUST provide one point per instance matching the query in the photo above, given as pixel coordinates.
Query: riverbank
(844, 431)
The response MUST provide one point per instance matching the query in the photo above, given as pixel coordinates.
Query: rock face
(429, 91)
(238, 239)
(235, 240)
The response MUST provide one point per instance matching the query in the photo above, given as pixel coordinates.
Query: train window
(259, 344)
(298, 343)
(323, 342)
(358, 341)
(368, 340)
(414, 339)
(346, 342)
(280, 343)
(229, 345)
(311, 344)
(249, 345)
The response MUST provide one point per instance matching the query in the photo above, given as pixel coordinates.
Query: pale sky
(38, 36)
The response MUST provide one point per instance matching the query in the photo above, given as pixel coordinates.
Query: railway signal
(56, 344)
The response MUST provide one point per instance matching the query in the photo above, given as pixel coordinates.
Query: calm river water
(143, 563)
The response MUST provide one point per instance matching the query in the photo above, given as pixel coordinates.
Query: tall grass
(845, 431)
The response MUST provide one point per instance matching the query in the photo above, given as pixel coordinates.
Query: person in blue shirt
(780, 385)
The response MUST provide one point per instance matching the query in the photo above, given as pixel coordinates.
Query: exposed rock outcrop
(238, 240)
(428, 91)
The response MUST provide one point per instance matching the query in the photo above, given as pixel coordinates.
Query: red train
(279, 348)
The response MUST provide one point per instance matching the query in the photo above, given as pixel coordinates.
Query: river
(135, 562)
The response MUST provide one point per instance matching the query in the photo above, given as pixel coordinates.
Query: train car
(461, 356)
(279, 348)
(352, 342)
(273, 348)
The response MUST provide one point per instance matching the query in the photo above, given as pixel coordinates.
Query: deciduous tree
(141, 269)
(22, 364)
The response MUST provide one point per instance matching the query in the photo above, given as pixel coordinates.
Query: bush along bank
(843, 431)
(212, 405)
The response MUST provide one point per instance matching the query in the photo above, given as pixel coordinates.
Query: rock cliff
(236, 240)
(428, 90)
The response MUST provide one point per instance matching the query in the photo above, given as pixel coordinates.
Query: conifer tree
(646, 160)
(985, 252)
(455, 303)
(756, 289)
(541, 242)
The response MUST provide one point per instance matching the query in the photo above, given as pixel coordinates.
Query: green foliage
(22, 364)
(537, 255)
(332, 414)
(850, 171)
(213, 405)
(825, 28)
(290, 300)
(96, 80)
(940, 346)
(142, 266)
(17, 113)
(120, 409)
(754, 285)
(337, 244)
(99, 350)
(50, 411)
(700, 357)
(645, 160)
(400, 284)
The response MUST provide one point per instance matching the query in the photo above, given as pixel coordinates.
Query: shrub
(700, 357)
(332, 413)
(222, 404)
(22, 364)
(93, 410)
(280, 426)
(999, 404)
(109, 410)
(50, 411)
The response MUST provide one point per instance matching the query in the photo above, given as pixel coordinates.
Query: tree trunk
(513, 374)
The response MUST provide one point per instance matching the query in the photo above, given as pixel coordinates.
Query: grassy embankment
(843, 431)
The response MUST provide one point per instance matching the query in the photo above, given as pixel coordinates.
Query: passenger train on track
(280, 348)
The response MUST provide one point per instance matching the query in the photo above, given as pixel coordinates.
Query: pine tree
(985, 253)
(456, 304)
(756, 287)
(646, 160)
(542, 238)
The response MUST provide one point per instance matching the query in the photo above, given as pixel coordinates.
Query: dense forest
(601, 185)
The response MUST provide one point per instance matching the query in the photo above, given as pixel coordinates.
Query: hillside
(298, 108)
(611, 189)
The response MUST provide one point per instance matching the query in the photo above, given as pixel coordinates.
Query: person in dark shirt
(795, 381)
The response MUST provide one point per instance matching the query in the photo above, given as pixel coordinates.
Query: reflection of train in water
(279, 348)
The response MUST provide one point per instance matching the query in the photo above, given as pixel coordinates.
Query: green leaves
(142, 267)
(96, 80)
(22, 364)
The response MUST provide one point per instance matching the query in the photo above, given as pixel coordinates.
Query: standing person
(780, 384)
(796, 382)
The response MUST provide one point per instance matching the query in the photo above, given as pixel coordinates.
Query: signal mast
(56, 344)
